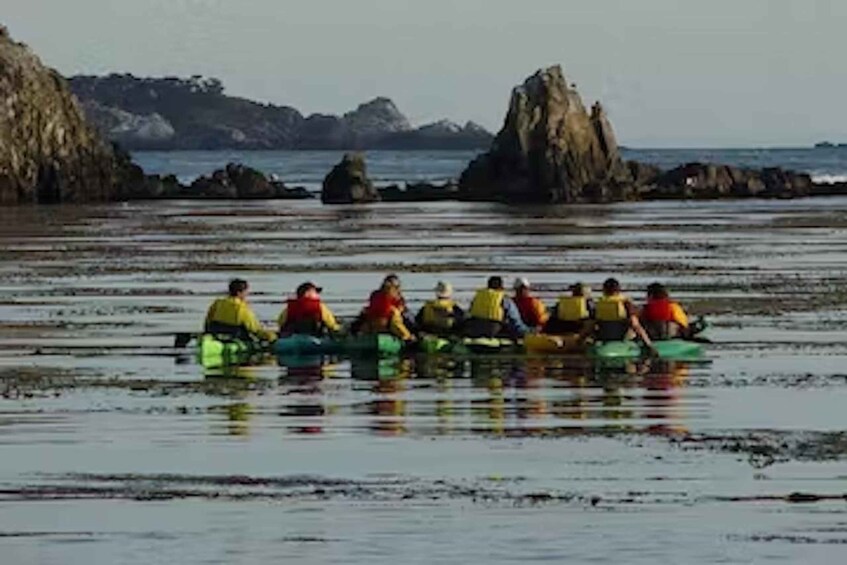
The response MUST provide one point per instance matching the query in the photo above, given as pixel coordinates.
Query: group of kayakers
(493, 312)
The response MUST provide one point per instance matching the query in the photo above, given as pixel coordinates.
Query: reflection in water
(488, 396)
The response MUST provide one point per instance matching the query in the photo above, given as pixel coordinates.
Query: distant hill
(175, 113)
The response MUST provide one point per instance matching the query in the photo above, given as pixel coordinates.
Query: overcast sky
(670, 72)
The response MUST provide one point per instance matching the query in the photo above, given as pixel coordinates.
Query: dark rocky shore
(550, 150)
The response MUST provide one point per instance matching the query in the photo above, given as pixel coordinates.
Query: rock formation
(710, 181)
(48, 152)
(239, 181)
(195, 113)
(549, 149)
(348, 182)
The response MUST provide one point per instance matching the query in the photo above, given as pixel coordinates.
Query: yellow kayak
(548, 343)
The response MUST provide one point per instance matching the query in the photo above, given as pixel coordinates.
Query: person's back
(615, 314)
(383, 314)
(307, 314)
(440, 316)
(662, 317)
(232, 317)
(572, 314)
(532, 311)
(493, 314)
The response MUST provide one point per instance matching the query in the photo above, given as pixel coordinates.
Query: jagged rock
(375, 118)
(348, 182)
(709, 181)
(237, 181)
(48, 152)
(420, 192)
(549, 149)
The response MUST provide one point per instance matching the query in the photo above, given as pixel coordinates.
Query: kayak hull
(551, 344)
(213, 352)
(299, 344)
(667, 349)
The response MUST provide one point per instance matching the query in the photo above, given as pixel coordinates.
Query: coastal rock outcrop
(242, 182)
(195, 113)
(710, 181)
(48, 152)
(549, 150)
(348, 182)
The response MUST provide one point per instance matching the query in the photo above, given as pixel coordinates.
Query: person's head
(443, 290)
(611, 287)
(581, 290)
(391, 280)
(521, 286)
(495, 283)
(308, 290)
(238, 288)
(657, 291)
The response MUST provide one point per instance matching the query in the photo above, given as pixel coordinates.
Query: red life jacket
(529, 313)
(303, 309)
(381, 306)
(658, 310)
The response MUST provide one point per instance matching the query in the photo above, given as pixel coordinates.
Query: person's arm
(679, 315)
(513, 318)
(419, 318)
(253, 327)
(398, 327)
(635, 324)
(541, 313)
(408, 318)
(283, 317)
(210, 315)
(328, 319)
(458, 315)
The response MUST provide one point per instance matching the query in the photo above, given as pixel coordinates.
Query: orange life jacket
(658, 310)
(528, 309)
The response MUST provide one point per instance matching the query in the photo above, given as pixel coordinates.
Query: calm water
(119, 449)
(308, 168)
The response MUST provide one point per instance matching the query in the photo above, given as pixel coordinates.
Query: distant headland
(195, 113)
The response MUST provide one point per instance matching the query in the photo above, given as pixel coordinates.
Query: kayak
(667, 349)
(548, 343)
(369, 344)
(432, 344)
(213, 352)
(301, 344)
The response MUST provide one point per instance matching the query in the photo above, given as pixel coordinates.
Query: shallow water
(117, 448)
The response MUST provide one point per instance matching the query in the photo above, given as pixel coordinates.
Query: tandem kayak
(301, 344)
(667, 349)
(370, 344)
(548, 343)
(213, 352)
(465, 346)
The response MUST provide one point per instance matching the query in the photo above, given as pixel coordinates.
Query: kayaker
(392, 281)
(231, 316)
(441, 316)
(616, 316)
(663, 318)
(493, 314)
(533, 312)
(383, 314)
(307, 314)
(573, 313)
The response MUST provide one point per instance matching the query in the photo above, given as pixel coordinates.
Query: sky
(671, 73)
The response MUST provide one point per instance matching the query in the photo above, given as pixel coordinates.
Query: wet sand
(118, 448)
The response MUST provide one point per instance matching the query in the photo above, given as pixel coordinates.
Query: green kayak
(669, 349)
(300, 344)
(466, 346)
(213, 352)
(370, 344)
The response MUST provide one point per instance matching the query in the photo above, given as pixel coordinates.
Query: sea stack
(348, 182)
(549, 150)
(48, 152)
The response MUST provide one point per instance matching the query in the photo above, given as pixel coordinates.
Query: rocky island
(195, 113)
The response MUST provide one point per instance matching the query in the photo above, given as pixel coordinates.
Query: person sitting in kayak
(383, 315)
(493, 314)
(616, 318)
(573, 314)
(232, 317)
(441, 316)
(533, 312)
(306, 314)
(663, 318)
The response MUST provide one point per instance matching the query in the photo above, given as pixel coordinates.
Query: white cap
(443, 289)
(521, 282)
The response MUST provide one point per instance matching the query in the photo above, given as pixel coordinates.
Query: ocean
(308, 168)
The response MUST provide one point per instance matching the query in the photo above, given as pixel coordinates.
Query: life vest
(529, 310)
(572, 309)
(488, 305)
(659, 310)
(438, 314)
(303, 315)
(226, 317)
(611, 309)
(381, 306)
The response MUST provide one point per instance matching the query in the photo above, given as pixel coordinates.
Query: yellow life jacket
(230, 311)
(611, 308)
(572, 309)
(488, 305)
(438, 314)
